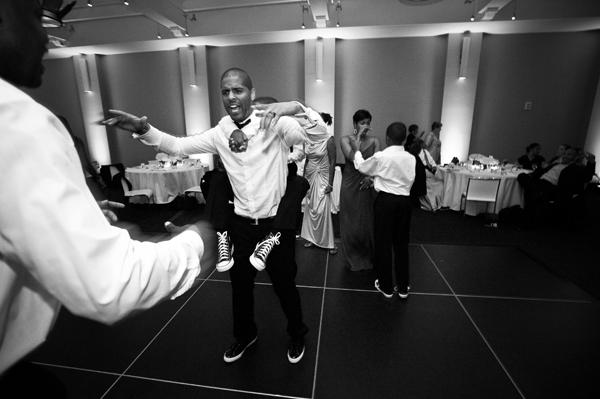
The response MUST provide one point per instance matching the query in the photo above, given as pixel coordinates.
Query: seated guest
(419, 187)
(432, 200)
(532, 159)
(557, 182)
(413, 130)
(559, 154)
(432, 140)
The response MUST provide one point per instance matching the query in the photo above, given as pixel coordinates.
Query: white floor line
(156, 336)
(324, 288)
(476, 327)
(215, 388)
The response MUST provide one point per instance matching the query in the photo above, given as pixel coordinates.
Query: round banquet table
(510, 192)
(166, 184)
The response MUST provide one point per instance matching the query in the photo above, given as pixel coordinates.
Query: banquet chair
(195, 190)
(129, 193)
(482, 190)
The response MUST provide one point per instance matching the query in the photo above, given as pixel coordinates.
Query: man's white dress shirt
(56, 246)
(393, 169)
(258, 175)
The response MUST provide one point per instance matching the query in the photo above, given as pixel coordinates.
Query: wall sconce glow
(319, 59)
(191, 67)
(85, 76)
(464, 57)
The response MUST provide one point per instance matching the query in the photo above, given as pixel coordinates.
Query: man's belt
(253, 221)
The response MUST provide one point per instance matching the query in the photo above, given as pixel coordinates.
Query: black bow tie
(241, 125)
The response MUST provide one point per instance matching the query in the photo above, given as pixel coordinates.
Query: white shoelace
(265, 247)
(223, 245)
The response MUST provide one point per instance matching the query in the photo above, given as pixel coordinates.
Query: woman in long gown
(317, 226)
(357, 196)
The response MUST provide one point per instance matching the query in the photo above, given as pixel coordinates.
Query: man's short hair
(396, 133)
(246, 81)
(436, 125)
(413, 128)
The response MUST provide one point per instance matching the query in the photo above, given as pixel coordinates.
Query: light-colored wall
(395, 79)
(398, 79)
(142, 84)
(59, 93)
(558, 73)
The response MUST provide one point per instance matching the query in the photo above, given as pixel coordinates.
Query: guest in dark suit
(558, 182)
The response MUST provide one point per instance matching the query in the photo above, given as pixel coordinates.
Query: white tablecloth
(166, 184)
(455, 184)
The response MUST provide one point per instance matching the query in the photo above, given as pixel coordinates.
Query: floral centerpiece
(162, 159)
(481, 162)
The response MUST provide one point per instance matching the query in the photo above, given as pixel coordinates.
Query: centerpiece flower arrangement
(481, 162)
(162, 158)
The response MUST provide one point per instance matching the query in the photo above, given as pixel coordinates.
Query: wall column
(320, 96)
(90, 98)
(194, 85)
(459, 96)
(592, 140)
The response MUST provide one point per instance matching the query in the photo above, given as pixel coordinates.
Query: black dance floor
(480, 322)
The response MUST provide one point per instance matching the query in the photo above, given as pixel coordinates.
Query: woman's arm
(331, 154)
(347, 149)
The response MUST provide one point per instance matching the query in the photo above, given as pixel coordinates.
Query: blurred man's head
(237, 93)
(23, 42)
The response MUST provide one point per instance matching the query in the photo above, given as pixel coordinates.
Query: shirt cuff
(152, 137)
(358, 159)
(307, 118)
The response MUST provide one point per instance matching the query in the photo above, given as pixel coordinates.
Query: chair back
(126, 184)
(482, 189)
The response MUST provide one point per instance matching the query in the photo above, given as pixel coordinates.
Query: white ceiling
(111, 27)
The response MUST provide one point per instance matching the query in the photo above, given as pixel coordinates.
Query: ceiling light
(126, 3)
(90, 3)
(338, 8)
(304, 9)
(52, 14)
(158, 31)
(514, 11)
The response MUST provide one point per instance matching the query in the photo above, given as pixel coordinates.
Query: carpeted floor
(572, 254)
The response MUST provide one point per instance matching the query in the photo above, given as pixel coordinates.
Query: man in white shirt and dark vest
(258, 178)
(394, 172)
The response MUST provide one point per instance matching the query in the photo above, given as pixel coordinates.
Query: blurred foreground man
(56, 245)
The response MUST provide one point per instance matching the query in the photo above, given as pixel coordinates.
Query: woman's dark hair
(327, 118)
(360, 115)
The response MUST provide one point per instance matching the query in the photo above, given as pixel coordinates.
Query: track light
(126, 3)
(90, 3)
(158, 31)
(304, 9)
(515, 11)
